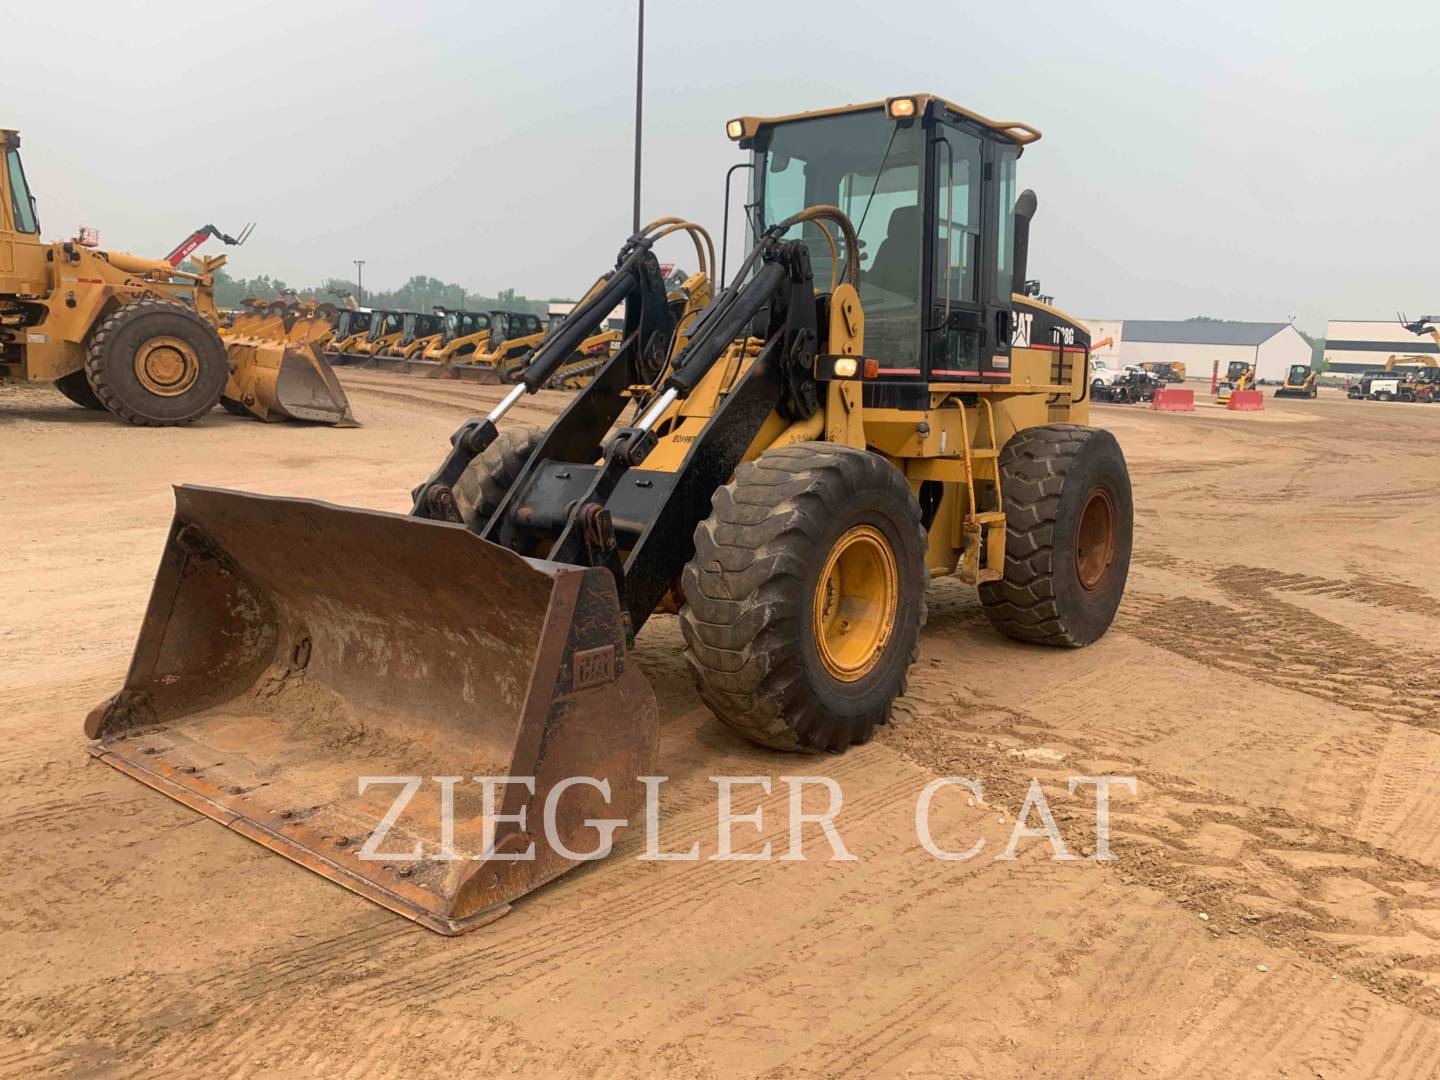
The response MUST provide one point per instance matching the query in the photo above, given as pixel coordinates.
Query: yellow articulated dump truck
(787, 466)
(135, 336)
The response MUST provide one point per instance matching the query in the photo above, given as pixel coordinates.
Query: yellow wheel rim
(167, 366)
(855, 599)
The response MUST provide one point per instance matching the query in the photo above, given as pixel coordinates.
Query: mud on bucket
(292, 647)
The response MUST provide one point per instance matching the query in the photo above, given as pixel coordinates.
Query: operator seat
(896, 268)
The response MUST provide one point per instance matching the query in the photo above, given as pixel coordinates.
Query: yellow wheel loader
(134, 336)
(825, 440)
(1300, 381)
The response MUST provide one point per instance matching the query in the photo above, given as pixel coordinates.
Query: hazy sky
(1241, 160)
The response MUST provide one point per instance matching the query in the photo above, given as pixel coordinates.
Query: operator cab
(384, 323)
(509, 325)
(418, 324)
(23, 216)
(930, 189)
(459, 324)
(351, 322)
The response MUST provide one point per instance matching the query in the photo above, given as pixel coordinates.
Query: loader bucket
(292, 648)
(274, 380)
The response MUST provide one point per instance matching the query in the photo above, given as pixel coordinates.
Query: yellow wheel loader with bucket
(826, 439)
(131, 335)
(278, 365)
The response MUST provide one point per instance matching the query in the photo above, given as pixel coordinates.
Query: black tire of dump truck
(154, 363)
(804, 601)
(486, 480)
(1069, 522)
(77, 388)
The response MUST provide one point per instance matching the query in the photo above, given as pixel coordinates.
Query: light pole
(639, 91)
(360, 281)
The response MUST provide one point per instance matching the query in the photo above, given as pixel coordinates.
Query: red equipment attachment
(200, 235)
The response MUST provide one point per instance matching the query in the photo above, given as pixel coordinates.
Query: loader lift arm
(582, 499)
(636, 281)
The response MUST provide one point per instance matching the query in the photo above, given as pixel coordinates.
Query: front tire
(1069, 523)
(156, 364)
(805, 597)
(486, 481)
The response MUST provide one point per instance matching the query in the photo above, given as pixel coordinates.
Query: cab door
(22, 256)
(971, 318)
(956, 318)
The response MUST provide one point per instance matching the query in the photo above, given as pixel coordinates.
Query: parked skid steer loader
(1300, 381)
(512, 335)
(132, 335)
(789, 468)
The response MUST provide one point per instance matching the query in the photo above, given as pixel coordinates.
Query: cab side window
(1004, 261)
(957, 217)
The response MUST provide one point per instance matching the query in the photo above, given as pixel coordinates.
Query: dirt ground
(1273, 683)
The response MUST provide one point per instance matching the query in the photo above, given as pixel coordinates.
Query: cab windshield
(386, 324)
(460, 324)
(870, 167)
(351, 322)
(20, 205)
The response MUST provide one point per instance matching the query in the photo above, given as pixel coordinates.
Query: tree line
(420, 293)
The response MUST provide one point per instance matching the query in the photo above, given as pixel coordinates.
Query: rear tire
(1068, 531)
(154, 363)
(77, 388)
(486, 481)
(805, 597)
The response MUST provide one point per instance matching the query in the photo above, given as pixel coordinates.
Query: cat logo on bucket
(594, 667)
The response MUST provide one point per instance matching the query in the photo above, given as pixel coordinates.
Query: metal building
(1356, 345)
(1200, 346)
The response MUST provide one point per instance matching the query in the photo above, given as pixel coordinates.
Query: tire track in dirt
(1293, 648)
(1257, 872)
(1362, 588)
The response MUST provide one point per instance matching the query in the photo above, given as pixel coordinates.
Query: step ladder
(982, 531)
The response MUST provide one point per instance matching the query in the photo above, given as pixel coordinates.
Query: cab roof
(1014, 130)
